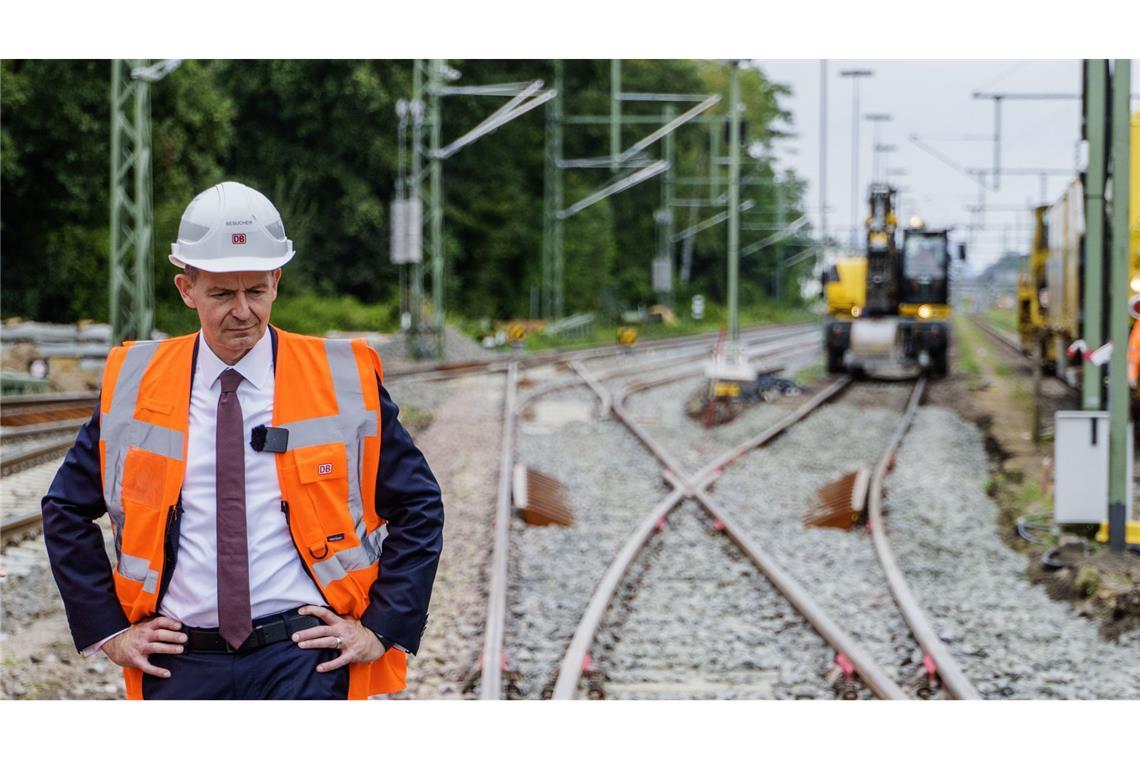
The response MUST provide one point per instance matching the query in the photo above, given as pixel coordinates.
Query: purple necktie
(235, 622)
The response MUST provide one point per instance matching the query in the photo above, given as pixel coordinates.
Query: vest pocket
(144, 514)
(141, 548)
(323, 473)
(144, 477)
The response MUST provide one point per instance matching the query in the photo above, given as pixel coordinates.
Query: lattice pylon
(132, 213)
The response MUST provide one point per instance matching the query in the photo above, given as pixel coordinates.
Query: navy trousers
(277, 671)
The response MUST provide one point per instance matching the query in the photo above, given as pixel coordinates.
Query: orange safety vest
(326, 396)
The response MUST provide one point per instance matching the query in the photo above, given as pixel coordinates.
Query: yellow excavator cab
(846, 288)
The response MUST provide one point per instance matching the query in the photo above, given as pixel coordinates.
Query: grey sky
(933, 100)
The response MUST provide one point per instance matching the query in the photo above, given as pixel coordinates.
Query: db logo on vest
(324, 469)
(239, 238)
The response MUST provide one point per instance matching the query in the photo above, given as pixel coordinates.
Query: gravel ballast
(612, 484)
(462, 448)
(769, 491)
(1011, 639)
(697, 620)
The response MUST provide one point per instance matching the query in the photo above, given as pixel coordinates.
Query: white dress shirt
(277, 578)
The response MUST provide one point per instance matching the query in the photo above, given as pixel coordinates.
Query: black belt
(266, 630)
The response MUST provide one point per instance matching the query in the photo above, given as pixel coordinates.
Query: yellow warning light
(925, 311)
(856, 311)
(1136, 283)
(916, 222)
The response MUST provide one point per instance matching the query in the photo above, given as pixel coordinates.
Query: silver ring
(339, 642)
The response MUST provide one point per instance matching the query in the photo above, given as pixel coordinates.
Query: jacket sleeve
(75, 543)
(408, 498)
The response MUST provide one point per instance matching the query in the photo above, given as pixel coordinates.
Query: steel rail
(39, 399)
(493, 657)
(15, 526)
(871, 673)
(955, 681)
(448, 370)
(698, 352)
(617, 404)
(38, 455)
(714, 469)
(38, 414)
(877, 680)
(491, 680)
(570, 669)
(15, 433)
(1006, 341)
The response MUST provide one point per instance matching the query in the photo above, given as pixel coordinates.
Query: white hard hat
(231, 228)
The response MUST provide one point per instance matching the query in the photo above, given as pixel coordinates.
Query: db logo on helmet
(239, 238)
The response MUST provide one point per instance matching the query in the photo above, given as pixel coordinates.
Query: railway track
(36, 431)
(39, 409)
(849, 653)
(1001, 337)
(682, 360)
(577, 662)
(450, 370)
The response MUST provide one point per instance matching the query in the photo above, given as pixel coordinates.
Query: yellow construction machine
(889, 311)
(1050, 286)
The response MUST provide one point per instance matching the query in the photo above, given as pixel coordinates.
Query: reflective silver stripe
(156, 439)
(314, 431)
(135, 568)
(376, 540)
(354, 419)
(365, 555)
(356, 558)
(327, 571)
(119, 430)
(114, 423)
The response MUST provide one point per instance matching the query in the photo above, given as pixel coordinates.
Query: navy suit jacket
(407, 497)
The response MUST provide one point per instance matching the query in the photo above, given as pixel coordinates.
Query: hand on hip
(133, 647)
(355, 642)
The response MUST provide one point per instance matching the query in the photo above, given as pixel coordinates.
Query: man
(276, 531)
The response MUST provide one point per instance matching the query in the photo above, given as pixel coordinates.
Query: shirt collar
(255, 366)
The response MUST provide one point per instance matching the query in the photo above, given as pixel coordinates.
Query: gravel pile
(1011, 639)
(457, 347)
(769, 491)
(612, 483)
(697, 620)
